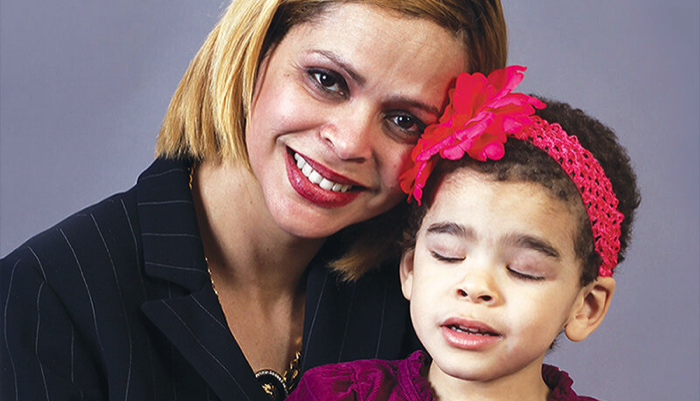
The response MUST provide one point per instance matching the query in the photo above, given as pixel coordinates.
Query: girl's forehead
(499, 208)
(465, 181)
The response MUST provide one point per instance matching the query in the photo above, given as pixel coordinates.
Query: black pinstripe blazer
(115, 303)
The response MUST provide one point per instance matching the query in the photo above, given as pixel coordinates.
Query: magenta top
(403, 380)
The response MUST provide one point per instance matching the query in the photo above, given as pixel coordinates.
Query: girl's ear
(590, 309)
(406, 272)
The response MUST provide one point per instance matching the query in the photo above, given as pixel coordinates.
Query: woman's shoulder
(117, 204)
(88, 243)
(110, 223)
(77, 225)
(80, 249)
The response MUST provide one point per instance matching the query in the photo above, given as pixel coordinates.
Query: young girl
(501, 255)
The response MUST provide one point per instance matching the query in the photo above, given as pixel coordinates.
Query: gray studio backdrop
(85, 84)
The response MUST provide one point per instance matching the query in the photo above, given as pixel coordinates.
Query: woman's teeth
(316, 178)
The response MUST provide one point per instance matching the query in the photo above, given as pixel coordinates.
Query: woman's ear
(406, 272)
(590, 309)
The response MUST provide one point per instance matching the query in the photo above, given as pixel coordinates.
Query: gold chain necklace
(276, 386)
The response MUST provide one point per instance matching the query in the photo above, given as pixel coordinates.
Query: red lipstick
(315, 194)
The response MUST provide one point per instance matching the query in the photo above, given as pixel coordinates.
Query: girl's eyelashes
(524, 276)
(329, 82)
(447, 259)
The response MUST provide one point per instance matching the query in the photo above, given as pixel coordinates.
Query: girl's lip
(468, 334)
(314, 193)
(468, 341)
(326, 172)
(467, 324)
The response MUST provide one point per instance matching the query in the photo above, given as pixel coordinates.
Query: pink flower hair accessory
(481, 110)
(482, 113)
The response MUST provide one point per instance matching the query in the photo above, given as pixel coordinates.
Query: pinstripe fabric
(115, 303)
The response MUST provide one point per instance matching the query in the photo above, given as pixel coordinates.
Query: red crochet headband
(481, 114)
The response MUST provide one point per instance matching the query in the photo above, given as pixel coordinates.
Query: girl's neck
(241, 241)
(524, 385)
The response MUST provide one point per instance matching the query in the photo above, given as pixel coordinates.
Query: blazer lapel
(347, 321)
(203, 339)
(190, 315)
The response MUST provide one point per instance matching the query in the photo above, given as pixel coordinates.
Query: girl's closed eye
(329, 82)
(443, 246)
(527, 274)
(448, 257)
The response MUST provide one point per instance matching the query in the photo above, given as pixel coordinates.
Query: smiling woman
(331, 92)
(209, 112)
(252, 245)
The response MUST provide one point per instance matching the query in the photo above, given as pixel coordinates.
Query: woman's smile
(318, 184)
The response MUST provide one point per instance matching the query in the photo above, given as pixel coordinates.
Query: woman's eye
(443, 258)
(405, 122)
(524, 276)
(409, 127)
(329, 82)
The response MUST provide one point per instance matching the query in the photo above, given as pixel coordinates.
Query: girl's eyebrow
(530, 242)
(451, 228)
(357, 77)
(514, 239)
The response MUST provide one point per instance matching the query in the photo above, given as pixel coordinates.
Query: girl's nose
(350, 135)
(478, 287)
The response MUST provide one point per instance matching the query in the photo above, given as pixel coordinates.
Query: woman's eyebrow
(530, 242)
(357, 77)
(415, 103)
(336, 59)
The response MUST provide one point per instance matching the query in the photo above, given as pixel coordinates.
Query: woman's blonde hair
(207, 115)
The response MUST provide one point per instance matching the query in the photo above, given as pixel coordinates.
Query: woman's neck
(241, 240)
(526, 384)
(255, 266)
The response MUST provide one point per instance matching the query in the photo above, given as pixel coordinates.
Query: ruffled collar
(412, 378)
(560, 383)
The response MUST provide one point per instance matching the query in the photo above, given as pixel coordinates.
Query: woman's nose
(350, 135)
